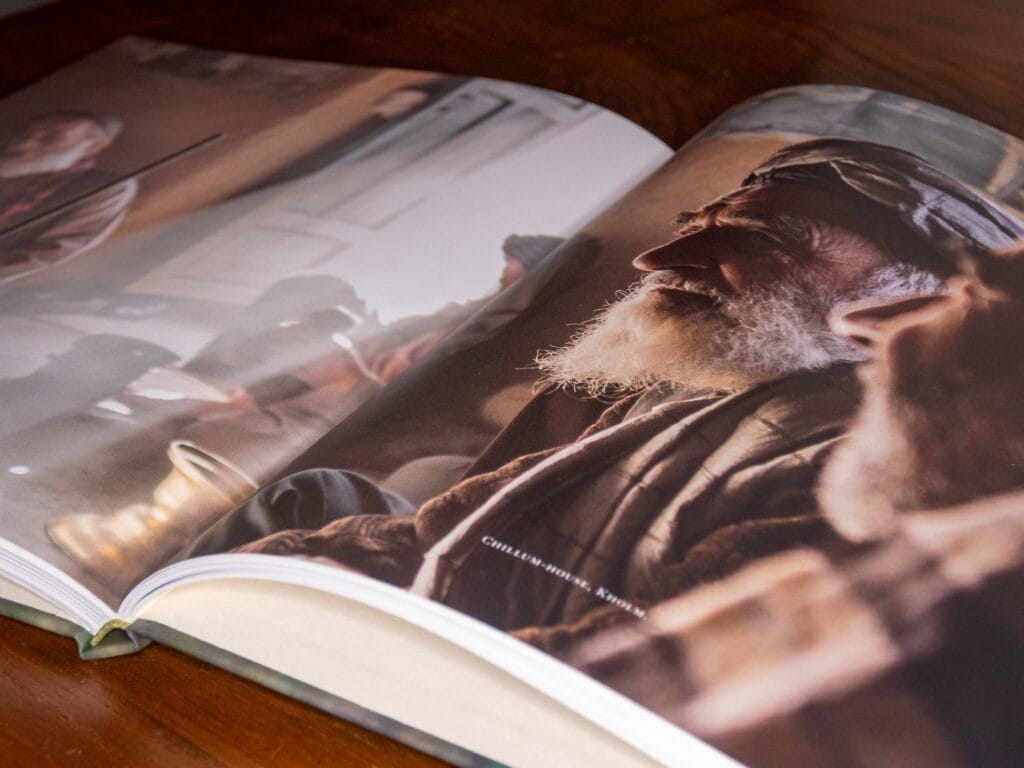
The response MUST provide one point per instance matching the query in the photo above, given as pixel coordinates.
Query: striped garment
(907, 652)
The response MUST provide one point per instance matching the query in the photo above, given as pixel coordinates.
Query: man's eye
(790, 229)
(768, 246)
(762, 239)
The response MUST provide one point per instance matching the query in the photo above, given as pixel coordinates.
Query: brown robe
(634, 511)
(639, 510)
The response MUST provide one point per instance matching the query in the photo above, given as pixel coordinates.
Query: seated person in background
(904, 649)
(731, 391)
(520, 253)
(308, 352)
(54, 202)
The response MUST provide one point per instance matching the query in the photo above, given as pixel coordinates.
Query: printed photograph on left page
(210, 259)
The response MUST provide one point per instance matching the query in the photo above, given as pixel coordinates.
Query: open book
(475, 414)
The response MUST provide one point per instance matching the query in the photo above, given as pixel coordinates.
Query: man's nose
(687, 251)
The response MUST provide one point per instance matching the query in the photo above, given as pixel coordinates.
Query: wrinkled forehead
(758, 203)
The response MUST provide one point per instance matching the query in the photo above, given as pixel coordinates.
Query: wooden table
(670, 66)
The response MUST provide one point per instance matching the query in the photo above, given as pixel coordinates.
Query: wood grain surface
(670, 66)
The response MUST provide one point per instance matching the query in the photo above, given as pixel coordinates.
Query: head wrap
(958, 224)
(529, 250)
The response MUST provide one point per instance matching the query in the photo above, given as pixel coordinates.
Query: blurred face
(943, 417)
(51, 144)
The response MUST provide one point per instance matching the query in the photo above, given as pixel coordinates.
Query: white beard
(52, 162)
(637, 342)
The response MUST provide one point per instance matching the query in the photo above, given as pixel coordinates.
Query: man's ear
(866, 322)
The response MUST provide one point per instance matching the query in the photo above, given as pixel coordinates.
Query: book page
(209, 259)
(749, 452)
(391, 668)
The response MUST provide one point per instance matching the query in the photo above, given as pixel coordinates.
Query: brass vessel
(129, 544)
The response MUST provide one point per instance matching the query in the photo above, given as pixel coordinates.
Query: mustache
(674, 281)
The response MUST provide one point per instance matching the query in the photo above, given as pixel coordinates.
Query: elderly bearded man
(732, 390)
(54, 202)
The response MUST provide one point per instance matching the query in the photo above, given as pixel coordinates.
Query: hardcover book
(473, 413)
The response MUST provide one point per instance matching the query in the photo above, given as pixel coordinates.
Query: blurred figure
(908, 650)
(276, 378)
(336, 386)
(54, 202)
(409, 340)
(943, 415)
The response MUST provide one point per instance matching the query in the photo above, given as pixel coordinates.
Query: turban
(529, 250)
(958, 224)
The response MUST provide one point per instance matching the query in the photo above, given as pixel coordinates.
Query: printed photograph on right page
(749, 450)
